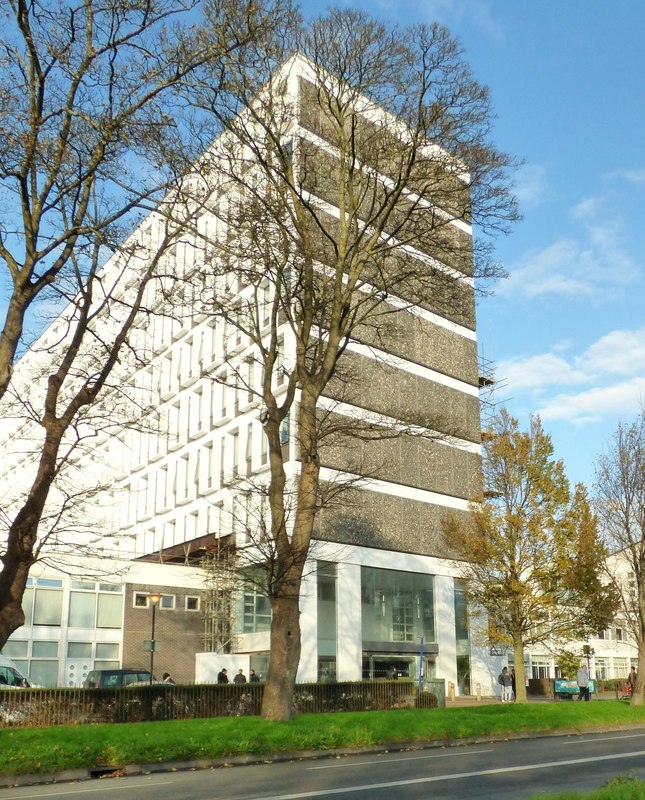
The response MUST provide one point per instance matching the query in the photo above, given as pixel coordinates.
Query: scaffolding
(487, 404)
(219, 564)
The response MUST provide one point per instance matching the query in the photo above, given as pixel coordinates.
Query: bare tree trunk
(13, 580)
(638, 695)
(291, 557)
(520, 674)
(277, 702)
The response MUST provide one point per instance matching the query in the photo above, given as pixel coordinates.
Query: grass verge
(621, 788)
(45, 750)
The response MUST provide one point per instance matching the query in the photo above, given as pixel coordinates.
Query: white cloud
(593, 405)
(635, 176)
(610, 372)
(537, 371)
(592, 265)
(620, 352)
(478, 13)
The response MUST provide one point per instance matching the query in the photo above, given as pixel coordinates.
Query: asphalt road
(508, 770)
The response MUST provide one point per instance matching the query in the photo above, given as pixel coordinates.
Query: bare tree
(531, 553)
(348, 182)
(94, 137)
(619, 493)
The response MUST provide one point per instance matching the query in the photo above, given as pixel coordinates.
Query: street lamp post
(153, 599)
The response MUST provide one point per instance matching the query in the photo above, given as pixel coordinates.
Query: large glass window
(82, 609)
(256, 609)
(621, 669)
(326, 582)
(110, 611)
(48, 607)
(462, 638)
(44, 673)
(397, 606)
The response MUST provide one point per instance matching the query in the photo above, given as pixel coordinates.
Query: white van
(10, 676)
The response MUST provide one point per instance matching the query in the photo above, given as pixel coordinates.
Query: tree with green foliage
(530, 550)
(620, 504)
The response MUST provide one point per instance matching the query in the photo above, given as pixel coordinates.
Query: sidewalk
(467, 700)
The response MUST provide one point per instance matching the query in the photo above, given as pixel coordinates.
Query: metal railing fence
(31, 708)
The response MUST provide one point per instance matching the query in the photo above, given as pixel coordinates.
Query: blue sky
(566, 330)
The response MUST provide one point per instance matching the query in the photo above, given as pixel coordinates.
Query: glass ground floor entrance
(379, 665)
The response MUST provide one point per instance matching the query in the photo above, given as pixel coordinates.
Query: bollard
(451, 690)
(478, 689)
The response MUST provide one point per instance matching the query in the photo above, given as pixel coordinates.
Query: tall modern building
(182, 468)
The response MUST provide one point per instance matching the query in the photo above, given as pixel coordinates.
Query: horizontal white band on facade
(381, 420)
(394, 489)
(415, 199)
(422, 313)
(413, 252)
(413, 369)
(434, 319)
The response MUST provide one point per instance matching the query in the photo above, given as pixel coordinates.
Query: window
(619, 634)
(79, 650)
(140, 600)
(397, 606)
(540, 666)
(284, 432)
(602, 668)
(621, 669)
(235, 443)
(192, 603)
(167, 602)
(16, 649)
(107, 650)
(249, 449)
(249, 381)
(44, 673)
(256, 611)
(87, 585)
(82, 609)
(265, 304)
(48, 607)
(44, 649)
(280, 370)
(110, 611)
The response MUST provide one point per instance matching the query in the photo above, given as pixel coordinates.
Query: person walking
(631, 680)
(506, 682)
(253, 677)
(582, 679)
(222, 676)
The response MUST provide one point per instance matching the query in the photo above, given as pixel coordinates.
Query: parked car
(117, 678)
(11, 677)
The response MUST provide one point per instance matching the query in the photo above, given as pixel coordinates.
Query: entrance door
(378, 665)
(76, 671)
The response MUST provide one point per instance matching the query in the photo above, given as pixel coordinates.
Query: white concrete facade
(181, 476)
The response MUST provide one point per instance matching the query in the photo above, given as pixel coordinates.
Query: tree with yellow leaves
(530, 550)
